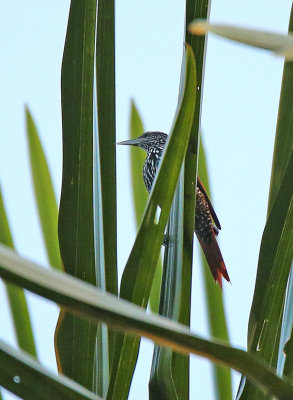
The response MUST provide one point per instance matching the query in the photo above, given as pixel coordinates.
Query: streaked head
(148, 141)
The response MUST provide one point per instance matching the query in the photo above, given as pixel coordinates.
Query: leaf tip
(27, 110)
(132, 103)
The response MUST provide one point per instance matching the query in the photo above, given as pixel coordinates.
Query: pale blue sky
(241, 93)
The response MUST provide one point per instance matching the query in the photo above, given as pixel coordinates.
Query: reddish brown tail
(214, 258)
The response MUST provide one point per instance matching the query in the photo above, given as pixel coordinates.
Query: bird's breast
(150, 168)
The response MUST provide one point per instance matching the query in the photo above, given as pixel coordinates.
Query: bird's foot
(166, 240)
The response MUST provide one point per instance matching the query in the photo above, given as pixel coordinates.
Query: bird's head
(148, 141)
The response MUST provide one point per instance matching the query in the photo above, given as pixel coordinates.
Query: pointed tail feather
(214, 259)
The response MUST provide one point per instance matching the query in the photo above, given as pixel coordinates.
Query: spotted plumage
(154, 154)
(153, 143)
(203, 219)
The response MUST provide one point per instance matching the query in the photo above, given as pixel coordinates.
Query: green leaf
(16, 296)
(284, 138)
(276, 253)
(140, 195)
(88, 301)
(214, 303)
(165, 363)
(176, 291)
(105, 177)
(283, 146)
(272, 277)
(105, 77)
(24, 376)
(156, 287)
(185, 210)
(279, 44)
(139, 271)
(198, 9)
(76, 206)
(44, 192)
(162, 385)
(75, 339)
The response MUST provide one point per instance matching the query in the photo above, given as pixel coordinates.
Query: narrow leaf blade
(105, 77)
(167, 364)
(276, 251)
(284, 137)
(44, 192)
(16, 296)
(105, 214)
(280, 44)
(76, 352)
(283, 145)
(268, 270)
(180, 367)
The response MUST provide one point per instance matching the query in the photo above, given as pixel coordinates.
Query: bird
(206, 224)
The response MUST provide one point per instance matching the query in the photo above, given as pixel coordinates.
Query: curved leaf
(284, 138)
(91, 302)
(271, 277)
(24, 376)
(276, 252)
(186, 210)
(176, 290)
(283, 146)
(139, 271)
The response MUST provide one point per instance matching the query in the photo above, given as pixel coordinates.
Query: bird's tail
(214, 258)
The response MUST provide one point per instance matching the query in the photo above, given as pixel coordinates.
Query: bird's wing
(213, 213)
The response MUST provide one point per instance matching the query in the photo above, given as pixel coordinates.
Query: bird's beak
(131, 142)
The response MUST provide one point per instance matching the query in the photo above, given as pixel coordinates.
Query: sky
(239, 114)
